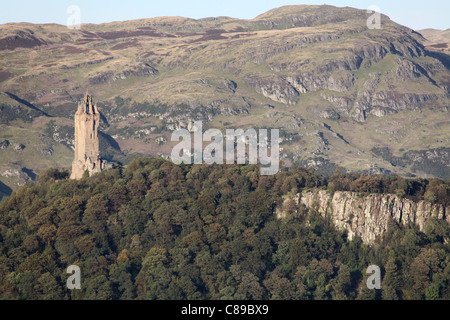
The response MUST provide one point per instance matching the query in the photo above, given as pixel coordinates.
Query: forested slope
(154, 230)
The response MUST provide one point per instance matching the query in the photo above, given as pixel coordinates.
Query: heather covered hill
(438, 40)
(341, 94)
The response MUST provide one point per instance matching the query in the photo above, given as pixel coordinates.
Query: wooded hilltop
(155, 230)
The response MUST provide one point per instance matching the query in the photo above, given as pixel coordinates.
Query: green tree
(392, 281)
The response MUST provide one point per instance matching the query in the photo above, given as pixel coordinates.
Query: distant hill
(370, 101)
(435, 35)
(438, 40)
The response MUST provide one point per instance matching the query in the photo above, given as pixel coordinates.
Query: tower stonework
(87, 155)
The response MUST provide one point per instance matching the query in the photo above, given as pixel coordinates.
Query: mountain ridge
(336, 89)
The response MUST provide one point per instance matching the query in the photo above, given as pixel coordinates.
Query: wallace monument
(87, 156)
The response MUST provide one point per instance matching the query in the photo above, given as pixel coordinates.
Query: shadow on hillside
(442, 57)
(26, 103)
(109, 148)
(5, 191)
(30, 173)
(110, 140)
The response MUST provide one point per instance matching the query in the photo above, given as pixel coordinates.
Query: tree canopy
(155, 230)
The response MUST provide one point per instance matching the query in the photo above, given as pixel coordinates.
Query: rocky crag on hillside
(365, 216)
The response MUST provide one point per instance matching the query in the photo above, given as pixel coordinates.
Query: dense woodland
(155, 230)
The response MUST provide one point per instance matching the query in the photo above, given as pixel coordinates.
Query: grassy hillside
(334, 88)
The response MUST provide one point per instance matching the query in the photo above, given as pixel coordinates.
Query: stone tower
(87, 155)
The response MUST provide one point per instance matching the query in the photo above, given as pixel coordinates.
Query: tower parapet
(87, 154)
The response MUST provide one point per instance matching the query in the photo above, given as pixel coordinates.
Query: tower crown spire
(87, 105)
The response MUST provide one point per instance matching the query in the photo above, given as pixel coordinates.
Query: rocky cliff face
(367, 216)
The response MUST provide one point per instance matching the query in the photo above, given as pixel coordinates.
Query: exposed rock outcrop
(367, 216)
(275, 88)
(19, 147)
(4, 144)
(19, 176)
(143, 70)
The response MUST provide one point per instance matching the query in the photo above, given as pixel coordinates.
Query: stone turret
(87, 155)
